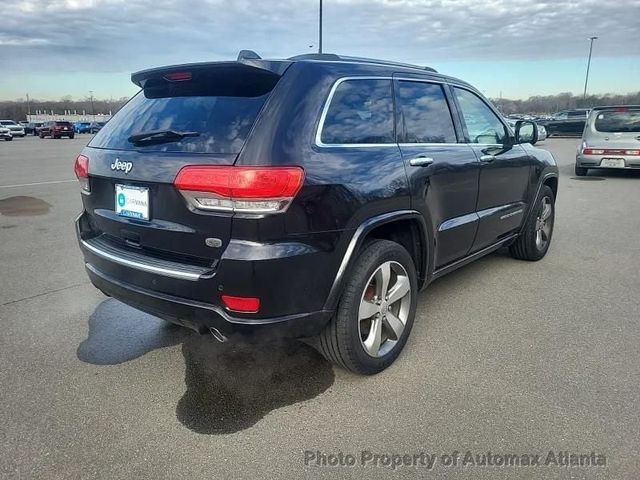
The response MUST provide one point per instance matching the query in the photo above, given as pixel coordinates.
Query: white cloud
(117, 35)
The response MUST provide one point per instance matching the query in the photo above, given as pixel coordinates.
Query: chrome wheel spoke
(399, 289)
(367, 309)
(539, 239)
(383, 275)
(546, 209)
(372, 343)
(395, 324)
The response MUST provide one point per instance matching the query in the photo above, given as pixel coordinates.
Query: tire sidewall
(350, 304)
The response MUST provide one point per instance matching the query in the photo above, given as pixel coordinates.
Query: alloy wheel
(384, 309)
(544, 222)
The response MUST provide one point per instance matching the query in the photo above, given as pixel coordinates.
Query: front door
(504, 170)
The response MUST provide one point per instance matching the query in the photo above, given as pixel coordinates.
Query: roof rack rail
(248, 55)
(333, 57)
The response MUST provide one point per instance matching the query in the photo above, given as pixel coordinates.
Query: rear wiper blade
(160, 136)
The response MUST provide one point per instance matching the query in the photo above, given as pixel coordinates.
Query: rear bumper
(292, 299)
(594, 161)
(202, 316)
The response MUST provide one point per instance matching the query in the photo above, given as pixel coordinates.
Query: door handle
(421, 161)
(487, 158)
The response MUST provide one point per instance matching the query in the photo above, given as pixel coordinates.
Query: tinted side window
(423, 114)
(483, 126)
(361, 111)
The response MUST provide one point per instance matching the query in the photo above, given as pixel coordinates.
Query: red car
(57, 130)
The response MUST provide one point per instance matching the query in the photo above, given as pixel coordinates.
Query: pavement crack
(43, 293)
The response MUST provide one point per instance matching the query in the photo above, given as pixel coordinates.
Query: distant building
(41, 116)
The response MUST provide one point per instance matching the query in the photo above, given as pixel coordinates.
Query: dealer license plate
(132, 202)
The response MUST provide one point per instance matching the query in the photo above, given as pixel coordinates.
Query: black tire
(340, 342)
(71, 137)
(526, 247)
(41, 135)
(581, 171)
(8, 139)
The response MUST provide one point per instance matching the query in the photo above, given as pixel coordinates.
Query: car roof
(250, 60)
(607, 107)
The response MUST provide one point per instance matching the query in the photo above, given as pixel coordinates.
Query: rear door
(504, 169)
(133, 201)
(443, 173)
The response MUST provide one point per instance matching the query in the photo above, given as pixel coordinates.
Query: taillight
(241, 304)
(251, 190)
(81, 169)
(610, 151)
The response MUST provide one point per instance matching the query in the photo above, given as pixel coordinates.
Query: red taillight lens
(256, 190)
(178, 76)
(610, 151)
(81, 169)
(241, 304)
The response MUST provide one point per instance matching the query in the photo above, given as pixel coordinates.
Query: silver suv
(611, 139)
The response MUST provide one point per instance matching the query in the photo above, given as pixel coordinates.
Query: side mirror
(526, 132)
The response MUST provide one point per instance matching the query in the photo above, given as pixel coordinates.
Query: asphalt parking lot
(505, 356)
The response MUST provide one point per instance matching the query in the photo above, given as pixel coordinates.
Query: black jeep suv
(312, 197)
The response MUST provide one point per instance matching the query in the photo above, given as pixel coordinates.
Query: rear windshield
(222, 122)
(65, 124)
(620, 120)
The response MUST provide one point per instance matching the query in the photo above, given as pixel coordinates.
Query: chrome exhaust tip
(218, 335)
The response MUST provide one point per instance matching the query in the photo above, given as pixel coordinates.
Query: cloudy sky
(52, 48)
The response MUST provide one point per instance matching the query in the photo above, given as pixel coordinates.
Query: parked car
(57, 129)
(311, 197)
(570, 122)
(82, 127)
(16, 129)
(33, 128)
(95, 127)
(611, 139)
(5, 134)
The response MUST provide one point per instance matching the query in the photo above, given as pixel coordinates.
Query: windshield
(619, 120)
(7, 122)
(222, 122)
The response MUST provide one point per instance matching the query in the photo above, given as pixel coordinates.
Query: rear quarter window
(620, 120)
(359, 112)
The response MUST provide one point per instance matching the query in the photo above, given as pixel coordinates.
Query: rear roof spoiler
(242, 65)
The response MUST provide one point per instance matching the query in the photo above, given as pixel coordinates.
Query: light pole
(93, 112)
(586, 78)
(320, 30)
